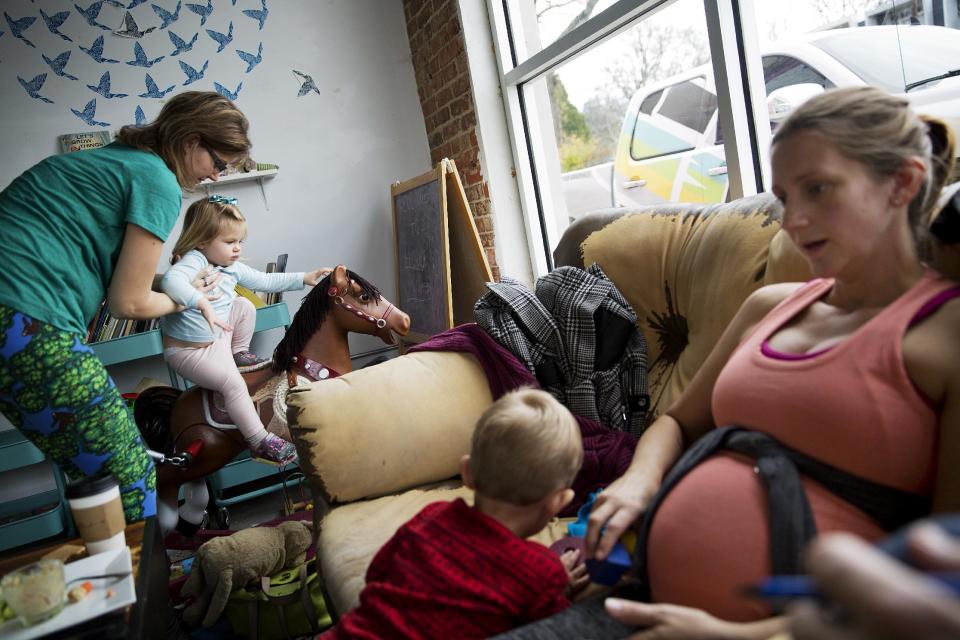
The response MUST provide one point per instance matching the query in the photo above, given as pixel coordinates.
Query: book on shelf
(70, 142)
(250, 295)
(106, 327)
(279, 266)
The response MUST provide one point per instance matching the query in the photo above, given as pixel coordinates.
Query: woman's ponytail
(945, 223)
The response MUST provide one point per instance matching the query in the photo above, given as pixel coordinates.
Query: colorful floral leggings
(55, 390)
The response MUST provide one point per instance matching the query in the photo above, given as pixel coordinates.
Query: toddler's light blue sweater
(189, 325)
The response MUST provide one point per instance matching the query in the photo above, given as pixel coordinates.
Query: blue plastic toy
(609, 571)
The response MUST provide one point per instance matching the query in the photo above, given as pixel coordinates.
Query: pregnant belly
(710, 537)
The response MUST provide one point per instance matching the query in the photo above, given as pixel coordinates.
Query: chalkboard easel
(442, 268)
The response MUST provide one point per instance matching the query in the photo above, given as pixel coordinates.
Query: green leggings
(55, 390)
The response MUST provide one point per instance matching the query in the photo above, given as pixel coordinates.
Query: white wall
(338, 151)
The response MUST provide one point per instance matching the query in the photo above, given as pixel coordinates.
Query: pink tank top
(852, 406)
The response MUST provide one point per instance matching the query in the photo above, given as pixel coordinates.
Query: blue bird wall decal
(17, 27)
(58, 63)
(140, 118)
(307, 86)
(202, 11)
(88, 113)
(130, 28)
(153, 91)
(104, 87)
(180, 44)
(260, 15)
(55, 21)
(33, 87)
(226, 93)
(140, 57)
(250, 59)
(221, 39)
(164, 15)
(91, 14)
(192, 74)
(96, 51)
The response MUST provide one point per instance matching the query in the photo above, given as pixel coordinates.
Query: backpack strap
(301, 594)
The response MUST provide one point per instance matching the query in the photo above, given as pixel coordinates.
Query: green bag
(285, 605)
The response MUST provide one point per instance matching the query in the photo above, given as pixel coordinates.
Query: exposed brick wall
(446, 97)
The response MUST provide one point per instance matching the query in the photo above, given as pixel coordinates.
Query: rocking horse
(191, 438)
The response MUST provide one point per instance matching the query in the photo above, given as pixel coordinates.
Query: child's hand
(211, 316)
(577, 570)
(313, 277)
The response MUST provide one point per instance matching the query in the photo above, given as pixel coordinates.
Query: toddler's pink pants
(212, 367)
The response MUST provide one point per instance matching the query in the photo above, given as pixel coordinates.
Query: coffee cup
(98, 512)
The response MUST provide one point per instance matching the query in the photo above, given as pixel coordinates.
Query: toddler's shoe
(247, 361)
(275, 449)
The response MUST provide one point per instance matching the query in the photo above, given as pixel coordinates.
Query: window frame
(738, 78)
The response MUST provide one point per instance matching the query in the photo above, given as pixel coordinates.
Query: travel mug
(98, 512)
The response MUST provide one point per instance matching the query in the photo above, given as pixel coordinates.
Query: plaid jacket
(578, 335)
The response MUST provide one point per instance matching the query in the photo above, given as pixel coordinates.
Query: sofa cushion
(686, 270)
(352, 534)
(390, 427)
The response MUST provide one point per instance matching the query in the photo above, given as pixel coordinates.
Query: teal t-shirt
(62, 224)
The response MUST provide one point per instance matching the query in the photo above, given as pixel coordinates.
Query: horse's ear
(339, 278)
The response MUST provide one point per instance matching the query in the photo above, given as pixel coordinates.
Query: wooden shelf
(241, 177)
(234, 178)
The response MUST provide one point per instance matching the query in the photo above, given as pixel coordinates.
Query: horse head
(343, 302)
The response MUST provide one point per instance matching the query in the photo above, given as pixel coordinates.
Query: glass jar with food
(36, 591)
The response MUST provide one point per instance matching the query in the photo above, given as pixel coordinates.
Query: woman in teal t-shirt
(79, 227)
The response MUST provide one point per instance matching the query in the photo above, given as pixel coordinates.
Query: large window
(615, 103)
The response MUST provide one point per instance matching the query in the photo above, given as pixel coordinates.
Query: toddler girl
(198, 341)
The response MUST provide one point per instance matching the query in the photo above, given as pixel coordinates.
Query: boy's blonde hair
(525, 446)
(205, 115)
(204, 221)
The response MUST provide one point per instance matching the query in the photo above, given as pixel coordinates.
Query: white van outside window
(670, 147)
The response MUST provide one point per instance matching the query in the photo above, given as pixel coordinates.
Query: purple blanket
(606, 453)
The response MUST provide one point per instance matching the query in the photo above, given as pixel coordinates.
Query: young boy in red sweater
(461, 571)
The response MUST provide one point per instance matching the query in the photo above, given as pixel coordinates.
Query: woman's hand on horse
(312, 278)
(614, 510)
(206, 281)
(211, 316)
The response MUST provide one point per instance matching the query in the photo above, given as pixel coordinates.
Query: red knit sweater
(454, 572)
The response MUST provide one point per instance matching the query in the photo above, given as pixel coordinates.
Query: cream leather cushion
(686, 270)
(353, 533)
(388, 428)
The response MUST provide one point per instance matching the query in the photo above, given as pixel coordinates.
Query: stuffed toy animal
(231, 562)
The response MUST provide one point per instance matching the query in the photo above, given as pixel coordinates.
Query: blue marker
(780, 589)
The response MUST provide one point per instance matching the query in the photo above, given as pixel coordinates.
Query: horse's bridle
(338, 298)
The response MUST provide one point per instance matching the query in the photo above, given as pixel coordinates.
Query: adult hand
(616, 507)
(576, 568)
(211, 316)
(880, 597)
(313, 277)
(206, 281)
(667, 621)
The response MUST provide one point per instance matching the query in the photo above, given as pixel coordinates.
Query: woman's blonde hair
(525, 446)
(206, 116)
(203, 222)
(880, 131)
